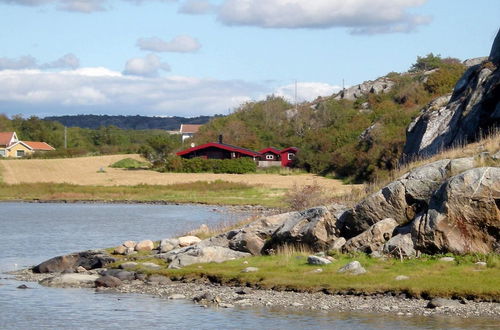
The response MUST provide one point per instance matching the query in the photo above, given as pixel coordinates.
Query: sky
(205, 57)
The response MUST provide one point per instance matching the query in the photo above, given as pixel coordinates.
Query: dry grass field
(86, 171)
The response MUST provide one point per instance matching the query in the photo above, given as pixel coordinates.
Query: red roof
(39, 145)
(5, 138)
(271, 149)
(289, 149)
(187, 128)
(227, 147)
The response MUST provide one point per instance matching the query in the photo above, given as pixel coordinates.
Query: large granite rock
(372, 239)
(314, 228)
(380, 85)
(472, 109)
(70, 280)
(69, 263)
(463, 215)
(402, 199)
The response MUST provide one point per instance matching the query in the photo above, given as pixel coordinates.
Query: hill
(128, 122)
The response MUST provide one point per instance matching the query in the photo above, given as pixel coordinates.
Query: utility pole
(65, 137)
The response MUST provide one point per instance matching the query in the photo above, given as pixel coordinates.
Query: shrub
(301, 198)
(201, 165)
(128, 163)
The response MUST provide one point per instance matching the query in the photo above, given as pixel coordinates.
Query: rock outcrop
(69, 263)
(380, 85)
(472, 109)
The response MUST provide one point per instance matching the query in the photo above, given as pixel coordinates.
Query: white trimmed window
(20, 153)
(2, 152)
(269, 157)
(290, 156)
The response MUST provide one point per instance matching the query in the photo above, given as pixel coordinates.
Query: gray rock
(474, 61)
(402, 278)
(481, 264)
(473, 108)
(314, 228)
(158, 279)
(381, 85)
(169, 244)
(194, 254)
(108, 282)
(150, 265)
(250, 270)
(338, 244)
(463, 215)
(400, 245)
(146, 245)
(91, 259)
(177, 296)
(122, 275)
(447, 259)
(315, 260)
(70, 280)
(441, 302)
(373, 238)
(120, 250)
(353, 268)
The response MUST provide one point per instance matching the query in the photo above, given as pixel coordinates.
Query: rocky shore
(223, 296)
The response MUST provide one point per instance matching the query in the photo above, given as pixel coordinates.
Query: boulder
(401, 245)
(442, 302)
(69, 263)
(353, 268)
(338, 244)
(372, 239)
(250, 270)
(122, 275)
(314, 228)
(315, 260)
(146, 245)
(402, 199)
(129, 244)
(108, 281)
(463, 215)
(252, 237)
(120, 250)
(194, 254)
(150, 265)
(129, 265)
(188, 240)
(70, 280)
(474, 107)
(168, 244)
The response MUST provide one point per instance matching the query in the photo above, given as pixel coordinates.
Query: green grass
(129, 164)
(217, 193)
(429, 277)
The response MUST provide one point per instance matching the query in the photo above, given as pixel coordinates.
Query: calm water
(31, 233)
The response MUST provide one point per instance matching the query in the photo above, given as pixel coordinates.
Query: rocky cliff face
(471, 110)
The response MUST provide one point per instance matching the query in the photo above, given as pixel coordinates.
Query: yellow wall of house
(12, 152)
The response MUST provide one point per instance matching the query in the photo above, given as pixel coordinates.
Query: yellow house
(11, 146)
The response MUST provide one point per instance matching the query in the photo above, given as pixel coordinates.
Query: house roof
(6, 138)
(270, 149)
(189, 128)
(19, 142)
(224, 146)
(39, 145)
(289, 149)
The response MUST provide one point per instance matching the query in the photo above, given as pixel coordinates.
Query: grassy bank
(428, 276)
(216, 193)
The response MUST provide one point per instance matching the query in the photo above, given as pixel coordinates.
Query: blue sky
(196, 57)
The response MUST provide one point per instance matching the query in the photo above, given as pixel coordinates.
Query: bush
(129, 163)
(201, 165)
(302, 198)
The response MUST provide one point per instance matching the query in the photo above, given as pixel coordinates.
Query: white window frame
(2, 153)
(269, 157)
(290, 156)
(23, 153)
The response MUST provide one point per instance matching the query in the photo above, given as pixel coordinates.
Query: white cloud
(100, 90)
(196, 7)
(68, 61)
(23, 62)
(306, 91)
(148, 66)
(361, 16)
(179, 44)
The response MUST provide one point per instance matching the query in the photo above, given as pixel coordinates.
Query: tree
(157, 149)
(426, 63)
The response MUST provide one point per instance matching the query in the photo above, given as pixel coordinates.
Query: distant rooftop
(189, 128)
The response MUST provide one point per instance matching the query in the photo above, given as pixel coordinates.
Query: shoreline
(208, 294)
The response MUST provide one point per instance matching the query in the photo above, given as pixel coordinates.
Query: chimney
(220, 138)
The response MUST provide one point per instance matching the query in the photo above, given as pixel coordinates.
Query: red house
(266, 157)
(218, 151)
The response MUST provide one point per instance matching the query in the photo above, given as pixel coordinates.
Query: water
(31, 233)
